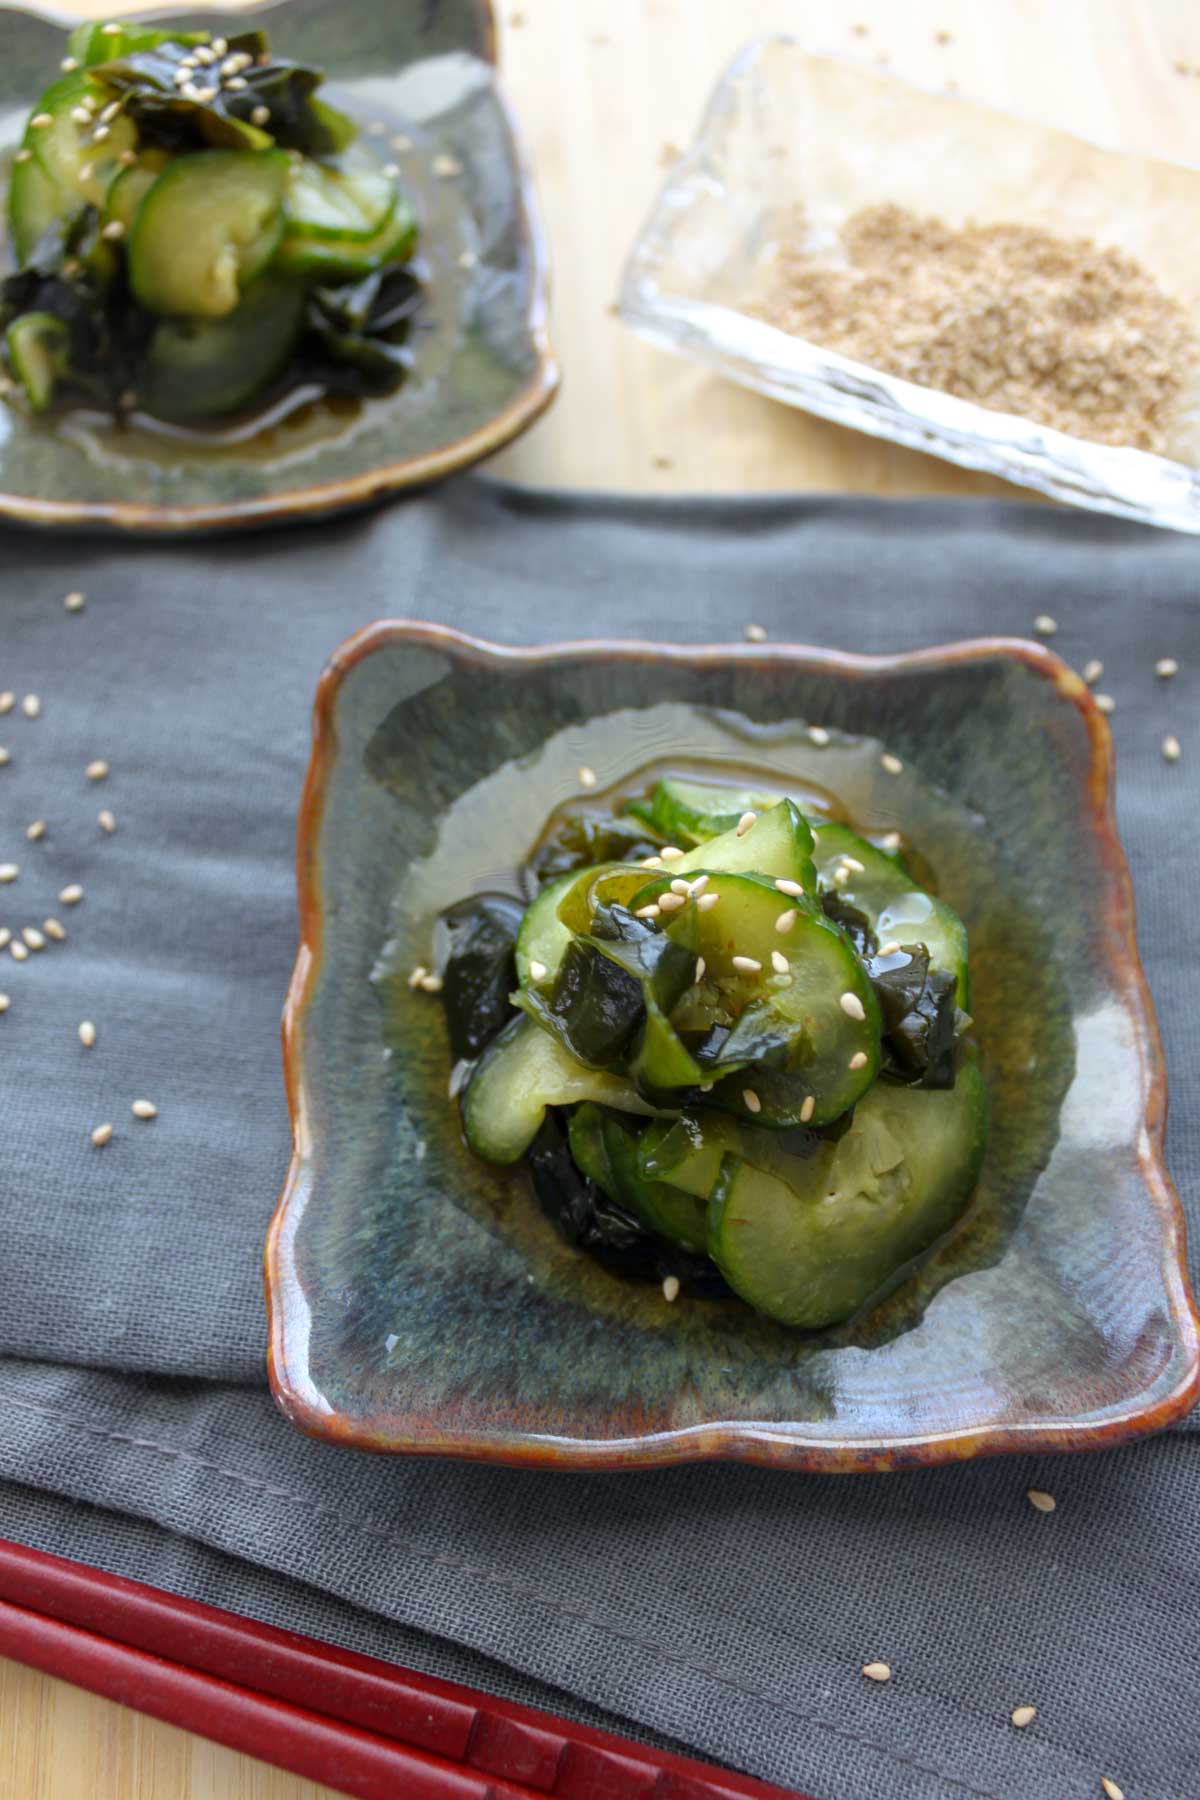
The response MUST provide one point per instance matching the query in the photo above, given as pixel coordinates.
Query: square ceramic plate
(424, 75)
(787, 132)
(418, 1299)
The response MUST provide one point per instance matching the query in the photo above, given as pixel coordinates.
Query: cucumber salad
(730, 1043)
(195, 229)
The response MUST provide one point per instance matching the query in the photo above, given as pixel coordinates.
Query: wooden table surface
(606, 90)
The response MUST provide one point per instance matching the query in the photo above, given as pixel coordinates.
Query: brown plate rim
(738, 1440)
(346, 492)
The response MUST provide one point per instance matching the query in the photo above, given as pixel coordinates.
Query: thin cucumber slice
(815, 1251)
(525, 1071)
(79, 167)
(690, 812)
(209, 224)
(200, 368)
(326, 202)
(344, 258)
(873, 883)
(38, 346)
(807, 1023)
(543, 938)
(778, 844)
(606, 1151)
(35, 203)
(687, 1152)
(130, 187)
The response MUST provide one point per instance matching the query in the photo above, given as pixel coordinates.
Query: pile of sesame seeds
(25, 940)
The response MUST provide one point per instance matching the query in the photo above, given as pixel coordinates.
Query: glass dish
(786, 129)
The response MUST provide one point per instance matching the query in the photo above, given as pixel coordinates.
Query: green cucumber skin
(779, 844)
(691, 812)
(181, 236)
(524, 1071)
(205, 368)
(543, 938)
(344, 259)
(38, 346)
(893, 902)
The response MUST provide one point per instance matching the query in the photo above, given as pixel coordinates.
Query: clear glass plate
(786, 129)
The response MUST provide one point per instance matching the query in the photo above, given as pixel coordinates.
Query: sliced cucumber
(815, 1251)
(199, 368)
(34, 204)
(326, 202)
(38, 346)
(206, 228)
(131, 185)
(606, 1150)
(343, 258)
(895, 907)
(78, 166)
(690, 812)
(94, 44)
(687, 1152)
(808, 1022)
(525, 1071)
(778, 844)
(543, 938)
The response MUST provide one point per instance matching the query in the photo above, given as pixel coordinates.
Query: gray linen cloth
(724, 1608)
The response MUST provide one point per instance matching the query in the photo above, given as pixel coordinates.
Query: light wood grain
(604, 89)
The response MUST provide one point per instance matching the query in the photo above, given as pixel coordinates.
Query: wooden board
(606, 89)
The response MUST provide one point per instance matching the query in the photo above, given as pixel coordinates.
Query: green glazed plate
(420, 1302)
(421, 73)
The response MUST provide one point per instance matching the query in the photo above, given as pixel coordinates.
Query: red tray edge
(331, 1715)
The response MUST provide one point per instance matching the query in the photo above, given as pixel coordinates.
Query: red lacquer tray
(364, 1727)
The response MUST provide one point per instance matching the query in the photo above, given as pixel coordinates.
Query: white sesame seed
(780, 963)
(54, 930)
(68, 65)
(651, 862)
(1172, 749)
(36, 830)
(235, 83)
(113, 232)
(110, 30)
(106, 820)
(75, 602)
(537, 969)
(1106, 703)
(587, 777)
(86, 171)
(1165, 667)
(23, 156)
(144, 1109)
(852, 1006)
(786, 920)
(751, 1100)
(808, 1109)
(1093, 670)
(9, 871)
(5, 757)
(706, 902)
(467, 259)
(756, 634)
(671, 902)
(891, 765)
(791, 888)
(431, 984)
(1112, 1791)
(31, 706)
(416, 975)
(877, 1671)
(33, 937)
(891, 842)
(1040, 1500)
(87, 1033)
(260, 115)
(391, 170)
(96, 771)
(681, 886)
(670, 853)
(182, 77)
(7, 700)
(219, 46)
(647, 912)
(746, 823)
(18, 951)
(701, 965)
(5, 1003)
(1022, 1716)
(375, 128)
(101, 1135)
(81, 115)
(889, 949)
(840, 876)
(1044, 625)
(71, 895)
(446, 167)
(818, 735)
(204, 94)
(108, 113)
(204, 53)
(671, 1287)
(855, 867)
(746, 965)
(5, 936)
(400, 142)
(40, 121)
(698, 886)
(858, 1060)
(100, 134)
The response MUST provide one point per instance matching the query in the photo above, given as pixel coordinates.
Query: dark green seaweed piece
(584, 839)
(921, 1018)
(475, 954)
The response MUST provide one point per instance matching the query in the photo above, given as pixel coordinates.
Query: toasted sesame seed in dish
(694, 1106)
